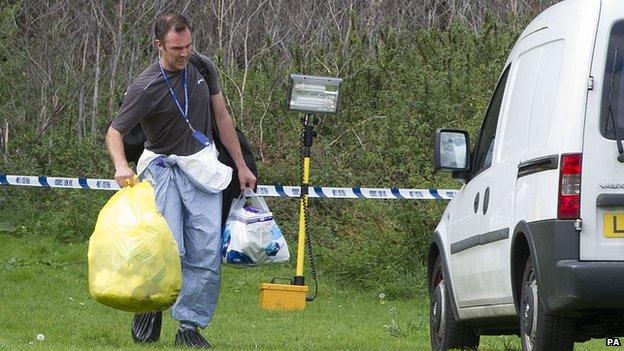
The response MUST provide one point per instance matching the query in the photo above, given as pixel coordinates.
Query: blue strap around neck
(199, 136)
(183, 113)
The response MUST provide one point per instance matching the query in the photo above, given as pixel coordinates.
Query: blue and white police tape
(264, 190)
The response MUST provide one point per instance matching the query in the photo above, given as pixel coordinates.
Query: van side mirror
(451, 153)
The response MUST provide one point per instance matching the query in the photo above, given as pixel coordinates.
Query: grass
(44, 290)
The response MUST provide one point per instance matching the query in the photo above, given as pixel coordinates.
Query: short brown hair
(170, 21)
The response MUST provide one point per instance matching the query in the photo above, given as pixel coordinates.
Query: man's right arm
(114, 144)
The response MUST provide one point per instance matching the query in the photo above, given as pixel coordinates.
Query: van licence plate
(613, 224)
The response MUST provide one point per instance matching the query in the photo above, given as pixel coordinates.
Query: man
(172, 101)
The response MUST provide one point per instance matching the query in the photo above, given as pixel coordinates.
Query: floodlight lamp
(313, 94)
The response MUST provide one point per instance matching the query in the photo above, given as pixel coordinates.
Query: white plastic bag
(251, 237)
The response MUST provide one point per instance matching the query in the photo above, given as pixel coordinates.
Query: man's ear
(159, 44)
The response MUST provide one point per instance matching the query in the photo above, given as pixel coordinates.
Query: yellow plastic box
(282, 297)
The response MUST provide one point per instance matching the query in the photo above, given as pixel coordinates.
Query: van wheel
(446, 332)
(538, 330)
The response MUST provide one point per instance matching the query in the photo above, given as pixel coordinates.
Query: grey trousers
(194, 217)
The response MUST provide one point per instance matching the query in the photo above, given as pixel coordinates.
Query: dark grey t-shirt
(149, 102)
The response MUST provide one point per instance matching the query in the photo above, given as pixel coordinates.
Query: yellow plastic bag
(134, 264)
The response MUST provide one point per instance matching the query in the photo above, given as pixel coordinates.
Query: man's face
(175, 49)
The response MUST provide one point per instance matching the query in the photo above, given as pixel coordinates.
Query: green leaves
(399, 87)
(8, 228)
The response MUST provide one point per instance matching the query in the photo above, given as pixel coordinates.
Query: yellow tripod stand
(293, 297)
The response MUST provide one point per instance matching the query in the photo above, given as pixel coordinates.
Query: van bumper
(582, 285)
(568, 285)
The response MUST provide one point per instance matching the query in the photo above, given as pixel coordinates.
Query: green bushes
(391, 105)
(393, 99)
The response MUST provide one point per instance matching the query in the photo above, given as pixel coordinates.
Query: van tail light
(570, 187)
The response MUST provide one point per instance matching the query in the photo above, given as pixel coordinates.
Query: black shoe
(146, 327)
(191, 338)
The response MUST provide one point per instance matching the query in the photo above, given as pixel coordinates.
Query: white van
(533, 243)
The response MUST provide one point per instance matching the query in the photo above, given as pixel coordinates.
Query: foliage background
(409, 68)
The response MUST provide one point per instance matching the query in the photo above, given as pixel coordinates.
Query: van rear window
(613, 86)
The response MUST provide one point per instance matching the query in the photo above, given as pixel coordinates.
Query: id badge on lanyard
(204, 140)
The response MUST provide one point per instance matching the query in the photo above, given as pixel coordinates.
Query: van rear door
(602, 179)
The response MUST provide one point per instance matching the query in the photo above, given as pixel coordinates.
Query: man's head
(173, 40)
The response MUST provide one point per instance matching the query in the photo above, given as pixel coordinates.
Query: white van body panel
(600, 165)
(507, 246)
(465, 267)
(542, 114)
(557, 129)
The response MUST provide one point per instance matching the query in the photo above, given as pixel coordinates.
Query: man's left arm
(228, 137)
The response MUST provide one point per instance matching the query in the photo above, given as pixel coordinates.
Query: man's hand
(246, 178)
(124, 176)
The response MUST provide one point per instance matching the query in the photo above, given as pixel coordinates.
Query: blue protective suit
(194, 217)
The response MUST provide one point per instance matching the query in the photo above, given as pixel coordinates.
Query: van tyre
(538, 330)
(446, 332)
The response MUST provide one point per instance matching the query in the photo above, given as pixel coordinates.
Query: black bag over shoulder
(134, 144)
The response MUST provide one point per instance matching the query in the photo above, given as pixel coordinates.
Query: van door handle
(486, 200)
(538, 164)
(476, 203)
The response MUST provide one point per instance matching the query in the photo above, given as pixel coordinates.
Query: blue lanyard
(199, 136)
(184, 112)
